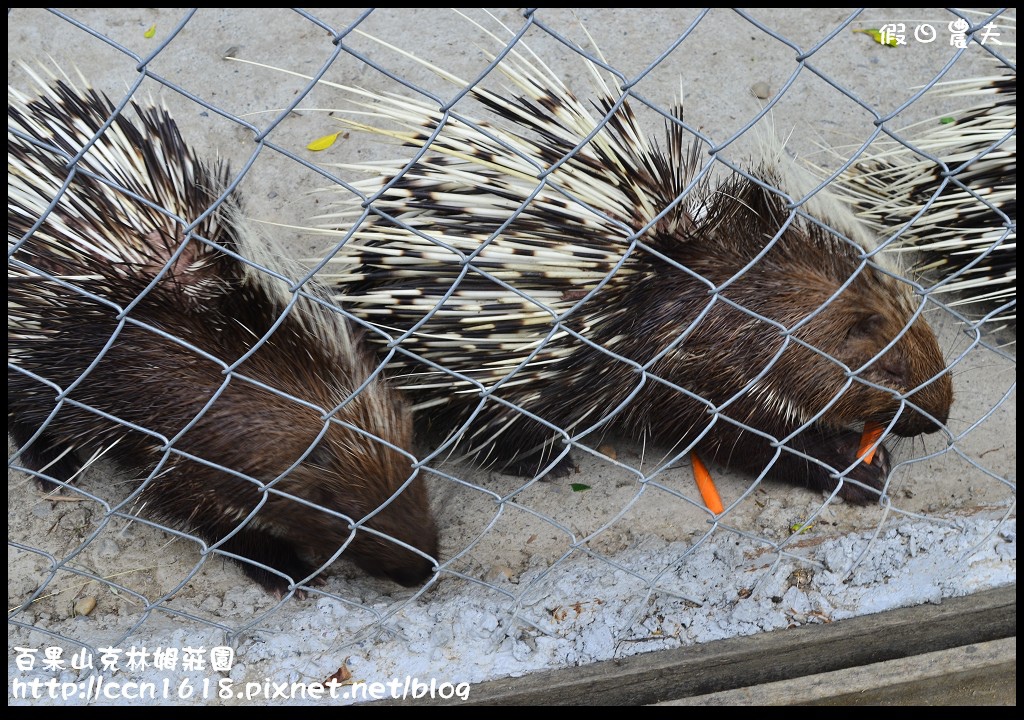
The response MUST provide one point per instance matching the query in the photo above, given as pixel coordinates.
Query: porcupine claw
(279, 591)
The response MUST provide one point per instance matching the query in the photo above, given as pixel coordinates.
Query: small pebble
(85, 606)
(760, 90)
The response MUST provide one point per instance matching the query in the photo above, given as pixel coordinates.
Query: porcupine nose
(402, 566)
(928, 382)
(932, 402)
(415, 574)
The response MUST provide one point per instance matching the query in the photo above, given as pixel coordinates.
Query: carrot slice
(872, 431)
(706, 485)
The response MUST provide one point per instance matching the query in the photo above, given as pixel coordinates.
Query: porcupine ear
(869, 326)
(861, 346)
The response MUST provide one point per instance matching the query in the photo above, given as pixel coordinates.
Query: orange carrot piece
(706, 485)
(872, 431)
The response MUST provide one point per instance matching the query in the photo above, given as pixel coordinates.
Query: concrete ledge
(907, 656)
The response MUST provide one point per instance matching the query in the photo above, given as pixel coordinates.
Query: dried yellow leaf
(323, 143)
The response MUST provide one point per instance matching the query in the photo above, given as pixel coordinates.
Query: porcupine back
(241, 403)
(558, 273)
(946, 190)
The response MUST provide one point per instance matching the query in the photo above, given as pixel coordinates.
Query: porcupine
(554, 274)
(946, 189)
(141, 330)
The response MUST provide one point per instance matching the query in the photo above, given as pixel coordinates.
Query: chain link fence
(619, 556)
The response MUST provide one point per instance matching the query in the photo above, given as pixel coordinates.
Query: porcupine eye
(867, 336)
(866, 328)
(318, 457)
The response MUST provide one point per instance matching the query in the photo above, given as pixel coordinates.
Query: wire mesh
(621, 556)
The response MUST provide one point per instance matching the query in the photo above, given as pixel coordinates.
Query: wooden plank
(983, 674)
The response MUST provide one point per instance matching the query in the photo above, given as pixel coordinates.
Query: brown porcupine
(144, 329)
(557, 273)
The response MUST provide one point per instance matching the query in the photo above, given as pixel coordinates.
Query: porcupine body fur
(946, 190)
(171, 355)
(558, 273)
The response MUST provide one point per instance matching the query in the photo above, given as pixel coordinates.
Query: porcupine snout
(928, 382)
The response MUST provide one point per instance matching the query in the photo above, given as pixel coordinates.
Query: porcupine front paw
(863, 484)
(275, 553)
(532, 466)
(59, 460)
(541, 458)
